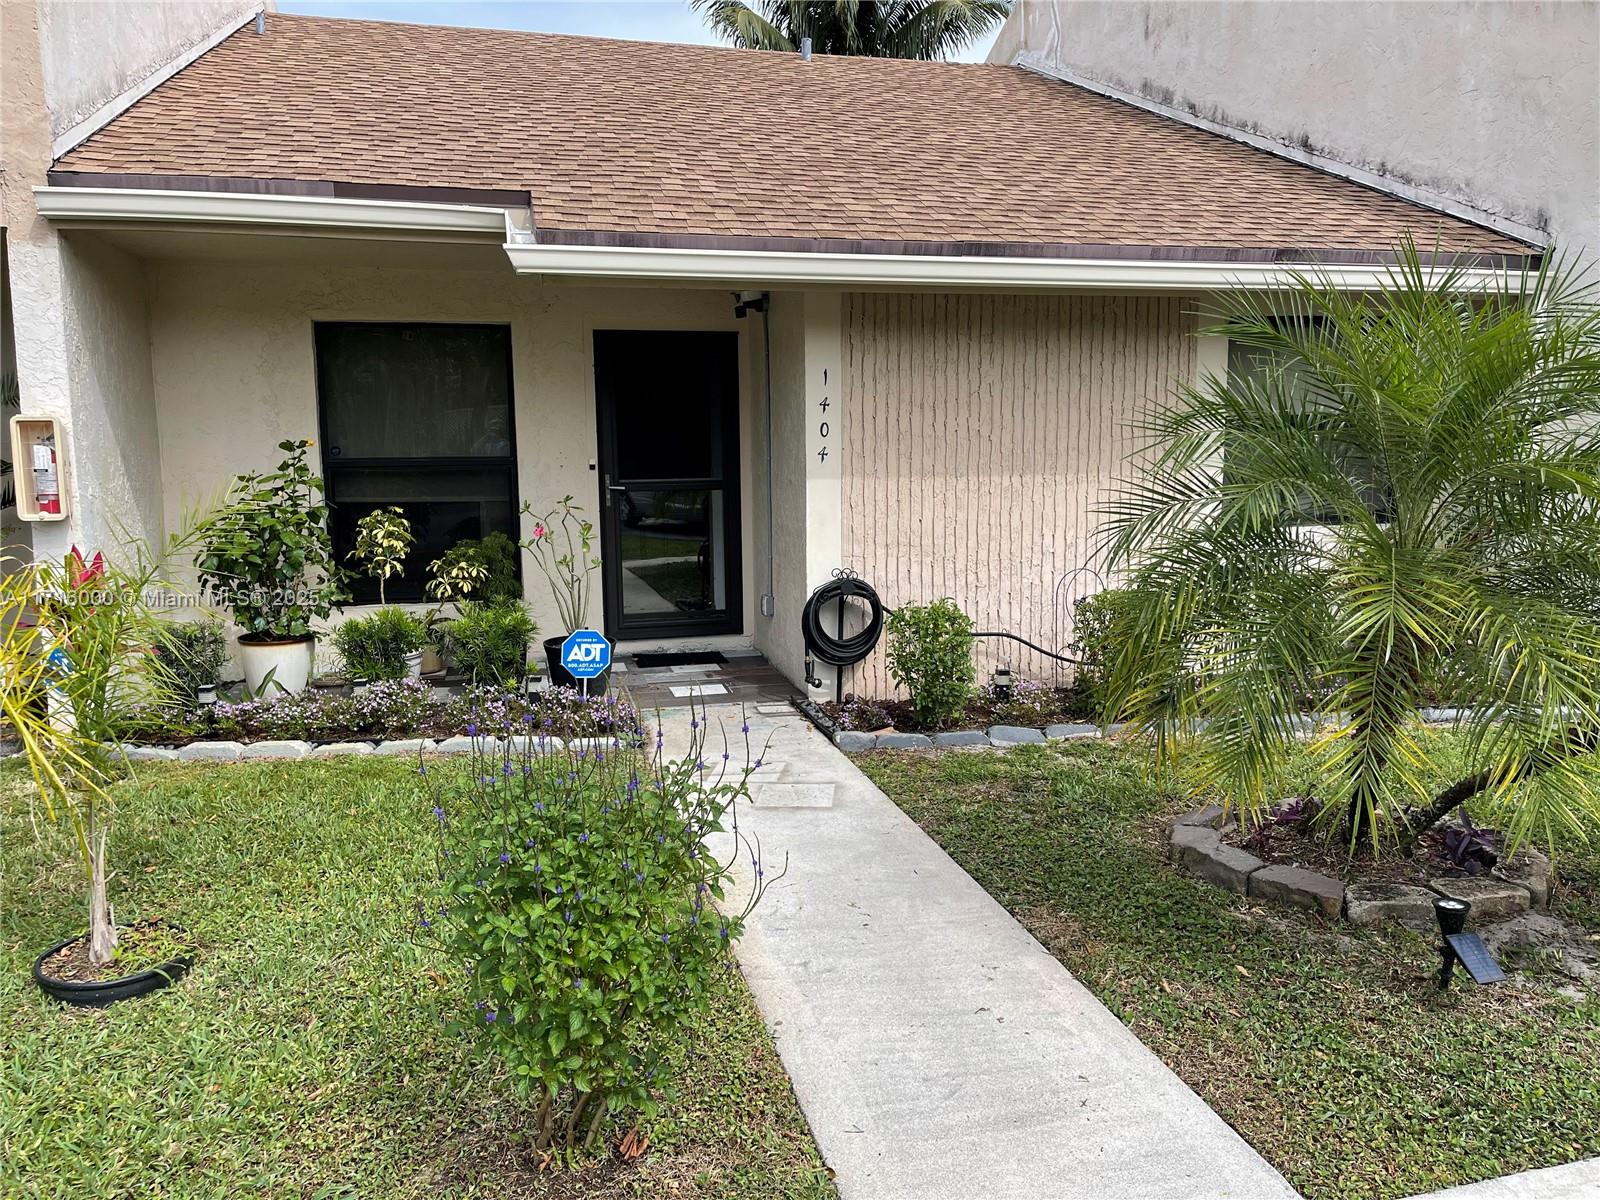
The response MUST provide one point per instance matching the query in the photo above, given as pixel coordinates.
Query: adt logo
(585, 654)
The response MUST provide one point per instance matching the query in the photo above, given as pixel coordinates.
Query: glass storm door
(669, 482)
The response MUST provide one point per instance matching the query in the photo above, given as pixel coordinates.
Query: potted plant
(383, 539)
(488, 642)
(386, 645)
(562, 546)
(267, 557)
(76, 656)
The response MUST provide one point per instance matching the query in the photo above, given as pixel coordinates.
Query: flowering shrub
(857, 712)
(395, 708)
(930, 655)
(575, 888)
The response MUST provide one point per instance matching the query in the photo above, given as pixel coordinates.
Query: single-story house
(764, 315)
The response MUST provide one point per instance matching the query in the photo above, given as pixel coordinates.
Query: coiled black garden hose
(834, 648)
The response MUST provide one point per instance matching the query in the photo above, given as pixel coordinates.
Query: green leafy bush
(267, 555)
(193, 654)
(488, 643)
(930, 655)
(1100, 629)
(575, 887)
(484, 571)
(375, 647)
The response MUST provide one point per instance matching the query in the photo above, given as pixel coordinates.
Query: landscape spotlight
(1461, 947)
(1001, 681)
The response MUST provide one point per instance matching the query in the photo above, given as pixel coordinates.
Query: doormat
(687, 658)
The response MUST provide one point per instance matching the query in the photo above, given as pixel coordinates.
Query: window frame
(331, 466)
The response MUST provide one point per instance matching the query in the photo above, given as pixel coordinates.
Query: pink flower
(538, 532)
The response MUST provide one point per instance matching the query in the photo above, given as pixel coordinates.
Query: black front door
(669, 482)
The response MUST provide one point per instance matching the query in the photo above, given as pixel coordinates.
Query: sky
(643, 20)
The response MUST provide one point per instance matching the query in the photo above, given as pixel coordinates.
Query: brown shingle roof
(632, 138)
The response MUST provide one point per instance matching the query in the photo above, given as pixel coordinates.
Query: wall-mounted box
(39, 466)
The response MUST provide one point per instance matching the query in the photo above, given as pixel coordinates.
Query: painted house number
(822, 428)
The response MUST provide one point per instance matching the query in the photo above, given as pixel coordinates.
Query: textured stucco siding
(234, 370)
(981, 435)
(1493, 104)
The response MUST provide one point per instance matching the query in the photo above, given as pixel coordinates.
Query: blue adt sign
(585, 654)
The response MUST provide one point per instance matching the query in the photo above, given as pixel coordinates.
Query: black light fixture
(532, 683)
(360, 684)
(206, 697)
(1001, 682)
(1458, 946)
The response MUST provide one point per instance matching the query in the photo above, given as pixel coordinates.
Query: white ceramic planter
(289, 664)
(414, 664)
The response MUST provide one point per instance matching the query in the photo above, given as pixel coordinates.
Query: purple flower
(583, 837)
(504, 857)
(472, 729)
(490, 1016)
(438, 812)
(568, 915)
(558, 889)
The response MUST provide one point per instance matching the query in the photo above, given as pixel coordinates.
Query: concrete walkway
(1575, 1181)
(936, 1048)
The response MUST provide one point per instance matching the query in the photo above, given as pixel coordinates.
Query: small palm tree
(1392, 497)
(924, 29)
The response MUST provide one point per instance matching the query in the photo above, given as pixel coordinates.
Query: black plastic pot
(103, 992)
(561, 677)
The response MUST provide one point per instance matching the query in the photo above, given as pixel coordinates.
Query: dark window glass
(417, 416)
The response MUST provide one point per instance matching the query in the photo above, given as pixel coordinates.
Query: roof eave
(555, 253)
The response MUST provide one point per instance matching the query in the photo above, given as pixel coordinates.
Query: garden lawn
(307, 1054)
(1326, 1047)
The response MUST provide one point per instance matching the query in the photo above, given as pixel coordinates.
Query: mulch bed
(1306, 844)
(1031, 706)
(140, 946)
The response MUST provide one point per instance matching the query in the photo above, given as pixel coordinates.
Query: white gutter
(111, 207)
(767, 268)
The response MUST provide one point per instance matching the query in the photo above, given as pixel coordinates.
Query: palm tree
(891, 29)
(1392, 497)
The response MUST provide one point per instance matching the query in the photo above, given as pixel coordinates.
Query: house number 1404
(822, 428)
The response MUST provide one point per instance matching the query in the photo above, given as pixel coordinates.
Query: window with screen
(420, 417)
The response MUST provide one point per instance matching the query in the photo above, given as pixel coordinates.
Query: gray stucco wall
(1495, 105)
(93, 52)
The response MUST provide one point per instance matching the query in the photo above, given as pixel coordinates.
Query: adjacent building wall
(1492, 104)
(981, 435)
(94, 52)
(234, 371)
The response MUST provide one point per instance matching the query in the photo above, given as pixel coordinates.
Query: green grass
(307, 1054)
(1326, 1047)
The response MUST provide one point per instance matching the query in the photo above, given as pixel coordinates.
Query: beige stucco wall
(778, 636)
(234, 373)
(981, 435)
(1494, 104)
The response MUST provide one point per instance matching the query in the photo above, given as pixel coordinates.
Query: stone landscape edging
(1196, 845)
(290, 750)
(853, 741)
